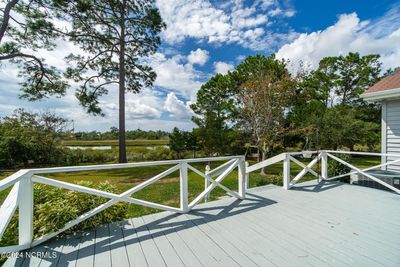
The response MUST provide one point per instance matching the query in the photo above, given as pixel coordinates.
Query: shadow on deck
(314, 224)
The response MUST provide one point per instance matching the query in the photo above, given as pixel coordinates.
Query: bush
(27, 138)
(54, 207)
(336, 168)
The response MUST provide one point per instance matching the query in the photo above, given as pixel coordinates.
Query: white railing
(21, 195)
(322, 156)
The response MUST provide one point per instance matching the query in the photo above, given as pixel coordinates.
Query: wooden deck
(326, 224)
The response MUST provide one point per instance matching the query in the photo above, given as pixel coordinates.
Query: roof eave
(381, 95)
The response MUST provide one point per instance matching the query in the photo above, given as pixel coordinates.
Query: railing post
(247, 176)
(207, 182)
(286, 172)
(25, 211)
(184, 198)
(324, 165)
(242, 178)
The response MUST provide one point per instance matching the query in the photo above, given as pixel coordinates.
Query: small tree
(116, 35)
(216, 113)
(264, 98)
(177, 142)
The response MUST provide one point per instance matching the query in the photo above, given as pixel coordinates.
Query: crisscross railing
(323, 156)
(21, 194)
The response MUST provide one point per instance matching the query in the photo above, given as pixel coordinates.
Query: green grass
(136, 142)
(166, 190)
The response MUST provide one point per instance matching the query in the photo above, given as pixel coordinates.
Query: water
(89, 147)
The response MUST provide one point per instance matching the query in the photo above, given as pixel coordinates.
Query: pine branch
(6, 18)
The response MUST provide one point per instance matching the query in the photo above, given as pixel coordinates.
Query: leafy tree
(27, 26)
(216, 113)
(181, 141)
(116, 35)
(177, 141)
(26, 136)
(329, 112)
(345, 76)
(264, 98)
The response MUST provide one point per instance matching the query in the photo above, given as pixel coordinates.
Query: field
(166, 190)
(136, 142)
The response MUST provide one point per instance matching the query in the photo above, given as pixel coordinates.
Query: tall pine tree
(116, 36)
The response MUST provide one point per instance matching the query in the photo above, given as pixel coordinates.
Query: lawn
(166, 190)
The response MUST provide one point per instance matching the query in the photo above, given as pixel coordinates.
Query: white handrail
(22, 193)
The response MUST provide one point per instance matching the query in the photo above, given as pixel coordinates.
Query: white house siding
(391, 131)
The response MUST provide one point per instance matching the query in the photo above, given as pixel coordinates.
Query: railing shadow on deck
(163, 226)
(317, 186)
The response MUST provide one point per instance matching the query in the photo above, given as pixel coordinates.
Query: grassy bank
(136, 142)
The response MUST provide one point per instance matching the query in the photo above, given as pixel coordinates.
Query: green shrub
(336, 168)
(54, 207)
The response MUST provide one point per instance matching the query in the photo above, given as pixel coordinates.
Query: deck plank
(55, 248)
(324, 224)
(167, 251)
(186, 254)
(150, 250)
(119, 256)
(228, 247)
(102, 256)
(199, 242)
(69, 252)
(86, 249)
(133, 247)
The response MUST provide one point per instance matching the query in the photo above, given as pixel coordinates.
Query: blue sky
(204, 37)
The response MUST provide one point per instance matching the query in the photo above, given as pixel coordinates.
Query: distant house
(387, 92)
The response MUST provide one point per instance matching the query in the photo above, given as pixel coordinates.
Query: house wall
(391, 131)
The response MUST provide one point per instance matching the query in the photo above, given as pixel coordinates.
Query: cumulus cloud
(348, 34)
(222, 67)
(174, 74)
(233, 22)
(198, 56)
(177, 107)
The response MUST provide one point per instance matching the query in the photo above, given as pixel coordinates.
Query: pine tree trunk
(122, 141)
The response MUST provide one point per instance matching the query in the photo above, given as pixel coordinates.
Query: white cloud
(222, 67)
(348, 34)
(231, 22)
(175, 75)
(177, 108)
(198, 56)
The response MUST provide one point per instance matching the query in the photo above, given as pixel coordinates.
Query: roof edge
(381, 95)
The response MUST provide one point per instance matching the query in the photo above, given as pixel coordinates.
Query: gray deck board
(315, 224)
(149, 247)
(102, 253)
(69, 252)
(119, 256)
(166, 249)
(133, 248)
(86, 249)
(185, 253)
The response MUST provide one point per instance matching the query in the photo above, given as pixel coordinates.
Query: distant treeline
(112, 134)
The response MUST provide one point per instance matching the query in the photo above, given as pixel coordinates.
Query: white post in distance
(247, 176)
(324, 165)
(184, 198)
(242, 178)
(286, 172)
(207, 182)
